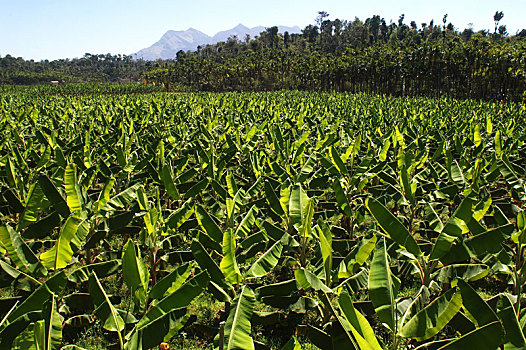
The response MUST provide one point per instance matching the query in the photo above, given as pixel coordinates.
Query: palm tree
(497, 17)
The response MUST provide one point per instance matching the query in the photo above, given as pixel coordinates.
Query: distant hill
(173, 41)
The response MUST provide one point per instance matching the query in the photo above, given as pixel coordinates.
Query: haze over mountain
(173, 41)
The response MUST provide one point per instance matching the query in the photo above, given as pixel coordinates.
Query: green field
(284, 220)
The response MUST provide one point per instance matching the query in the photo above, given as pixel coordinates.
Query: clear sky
(51, 29)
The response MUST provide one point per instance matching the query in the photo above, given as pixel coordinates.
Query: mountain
(173, 41)
(241, 31)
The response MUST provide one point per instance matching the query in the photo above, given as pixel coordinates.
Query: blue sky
(39, 29)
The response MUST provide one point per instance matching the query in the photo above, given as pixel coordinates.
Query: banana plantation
(283, 220)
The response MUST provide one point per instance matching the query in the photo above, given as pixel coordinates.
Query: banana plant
(150, 235)
(104, 309)
(80, 218)
(39, 311)
(348, 184)
(354, 221)
(450, 246)
(167, 316)
(324, 281)
(420, 317)
(136, 274)
(227, 279)
(42, 334)
(518, 273)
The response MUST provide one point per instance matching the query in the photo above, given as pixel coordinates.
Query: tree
(286, 39)
(322, 15)
(497, 17)
(272, 36)
(383, 30)
(310, 33)
(467, 34)
(180, 55)
(401, 20)
(444, 20)
(373, 26)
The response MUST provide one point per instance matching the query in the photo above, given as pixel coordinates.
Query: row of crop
(351, 221)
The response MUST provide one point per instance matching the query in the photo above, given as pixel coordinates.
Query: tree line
(333, 55)
(397, 58)
(90, 68)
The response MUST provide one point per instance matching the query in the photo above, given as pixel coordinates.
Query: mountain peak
(240, 26)
(174, 41)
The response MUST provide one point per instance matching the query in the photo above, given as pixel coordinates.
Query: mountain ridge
(175, 40)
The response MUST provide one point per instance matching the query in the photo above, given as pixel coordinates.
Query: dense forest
(370, 56)
(401, 59)
(87, 69)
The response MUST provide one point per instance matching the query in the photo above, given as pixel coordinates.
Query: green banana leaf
(21, 255)
(206, 263)
(228, 264)
(434, 317)
(308, 280)
(487, 337)
(383, 286)
(180, 298)
(35, 202)
(73, 195)
(272, 199)
(53, 325)
(266, 262)
(103, 269)
(151, 334)
(358, 324)
(238, 327)
(61, 253)
(297, 203)
(135, 272)
(19, 333)
(392, 226)
(105, 311)
(514, 336)
(341, 197)
(170, 282)
(208, 224)
(54, 196)
(325, 239)
(54, 285)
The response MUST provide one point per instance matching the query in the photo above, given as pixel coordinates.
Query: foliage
(88, 69)
(356, 56)
(368, 56)
(334, 220)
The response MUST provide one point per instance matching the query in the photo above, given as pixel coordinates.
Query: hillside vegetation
(372, 56)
